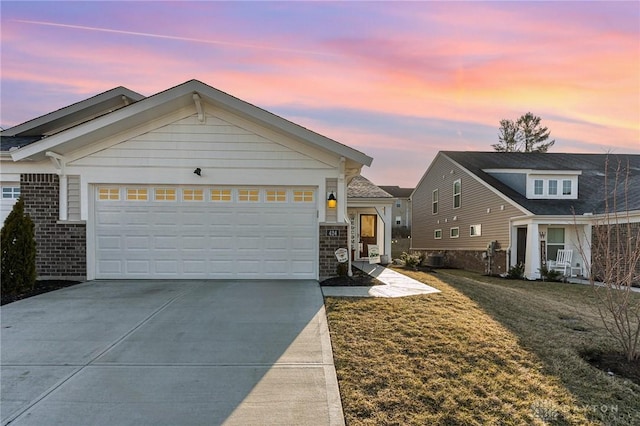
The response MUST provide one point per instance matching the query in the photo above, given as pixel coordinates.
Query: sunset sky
(398, 81)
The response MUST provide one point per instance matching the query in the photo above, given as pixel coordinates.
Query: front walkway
(395, 284)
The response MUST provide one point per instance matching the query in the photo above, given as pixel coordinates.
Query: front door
(368, 232)
(521, 254)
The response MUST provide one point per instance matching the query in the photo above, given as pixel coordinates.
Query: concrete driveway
(169, 353)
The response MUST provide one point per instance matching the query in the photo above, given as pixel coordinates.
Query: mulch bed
(43, 286)
(614, 362)
(359, 278)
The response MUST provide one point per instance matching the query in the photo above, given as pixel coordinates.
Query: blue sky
(397, 80)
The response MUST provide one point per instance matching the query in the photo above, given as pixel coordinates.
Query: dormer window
(538, 187)
(549, 185)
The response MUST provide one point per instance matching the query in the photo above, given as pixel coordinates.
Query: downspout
(345, 215)
(60, 163)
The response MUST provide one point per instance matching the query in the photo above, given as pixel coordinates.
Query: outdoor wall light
(331, 201)
(198, 171)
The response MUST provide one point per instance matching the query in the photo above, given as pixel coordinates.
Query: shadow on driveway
(169, 352)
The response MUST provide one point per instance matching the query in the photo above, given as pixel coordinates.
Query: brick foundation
(327, 263)
(472, 260)
(60, 247)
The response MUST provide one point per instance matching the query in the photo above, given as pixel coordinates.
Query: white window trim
(435, 200)
(435, 234)
(478, 231)
(451, 232)
(459, 194)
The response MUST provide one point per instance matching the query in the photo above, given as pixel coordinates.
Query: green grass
(498, 352)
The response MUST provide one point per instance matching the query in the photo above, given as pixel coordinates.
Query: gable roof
(75, 114)
(361, 187)
(167, 101)
(591, 181)
(397, 192)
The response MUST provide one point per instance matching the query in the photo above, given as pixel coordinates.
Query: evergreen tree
(18, 251)
(524, 135)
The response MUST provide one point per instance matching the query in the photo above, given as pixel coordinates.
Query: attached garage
(205, 232)
(190, 183)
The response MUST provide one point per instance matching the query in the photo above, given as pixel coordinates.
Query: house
(401, 210)
(188, 183)
(489, 211)
(370, 214)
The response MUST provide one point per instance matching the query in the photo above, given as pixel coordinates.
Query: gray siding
(479, 206)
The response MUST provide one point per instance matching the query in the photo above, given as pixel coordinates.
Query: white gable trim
(164, 103)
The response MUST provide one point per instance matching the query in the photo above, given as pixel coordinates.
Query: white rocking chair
(563, 262)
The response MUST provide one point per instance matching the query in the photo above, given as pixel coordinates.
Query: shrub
(412, 260)
(18, 247)
(516, 272)
(550, 274)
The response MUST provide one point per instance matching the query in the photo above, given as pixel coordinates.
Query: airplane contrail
(169, 37)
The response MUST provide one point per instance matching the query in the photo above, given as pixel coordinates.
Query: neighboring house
(188, 183)
(370, 213)
(401, 213)
(530, 205)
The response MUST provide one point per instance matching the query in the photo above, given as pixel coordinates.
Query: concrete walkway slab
(395, 284)
(169, 352)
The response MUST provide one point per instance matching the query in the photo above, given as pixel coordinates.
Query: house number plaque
(333, 232)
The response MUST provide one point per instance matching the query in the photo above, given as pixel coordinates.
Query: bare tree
(614, 262)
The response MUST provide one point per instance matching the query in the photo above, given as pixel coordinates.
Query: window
(137, 194)
(398, 204)
(555, 242)
(165, 194)
(303, 196)
(434, 202)
(437, 234)
(454, 232)
(250, 195)
(566, 187)
(398, 220)
(110, 194)
(475, 230)
(190, 194)
(220, 195)
(11, 192)
(553, 187)
(457, 190)
(538, 187)
(277, 196)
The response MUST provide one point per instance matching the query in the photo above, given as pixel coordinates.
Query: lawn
(497, 352)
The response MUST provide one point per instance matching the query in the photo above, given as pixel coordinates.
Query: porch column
(385, 214)
(532, 259)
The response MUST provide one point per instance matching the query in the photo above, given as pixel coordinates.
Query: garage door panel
(168, 267)
(138, 267)
(205, 239)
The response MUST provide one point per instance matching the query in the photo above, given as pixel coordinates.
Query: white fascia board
(103, 127)
(178, 97)
(268, 119)
(535, 171)
(118, 92)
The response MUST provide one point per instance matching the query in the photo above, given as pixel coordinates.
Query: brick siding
(327, 262)
(472, 260)
(60, 247)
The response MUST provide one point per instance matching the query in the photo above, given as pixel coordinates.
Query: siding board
(479, 206)
(214, 144)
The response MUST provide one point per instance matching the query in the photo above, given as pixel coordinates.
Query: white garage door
(205, 232)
